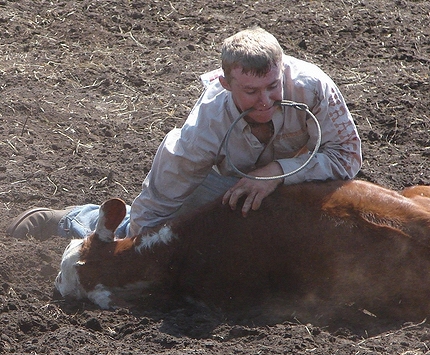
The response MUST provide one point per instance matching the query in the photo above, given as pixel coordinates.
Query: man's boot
(39, 223)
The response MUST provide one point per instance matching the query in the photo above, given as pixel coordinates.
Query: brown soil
(89, 88)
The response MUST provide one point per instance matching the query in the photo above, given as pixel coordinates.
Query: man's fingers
(231, 197)
(255, 192)
(253, 202)
(247, 204)
(226, 197)
(257, 202)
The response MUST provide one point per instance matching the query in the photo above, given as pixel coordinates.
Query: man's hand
(255, 190)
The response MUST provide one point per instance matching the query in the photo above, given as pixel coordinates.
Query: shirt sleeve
(183, 160)
(339, 155)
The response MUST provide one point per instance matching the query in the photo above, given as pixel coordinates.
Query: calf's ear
(111, 213)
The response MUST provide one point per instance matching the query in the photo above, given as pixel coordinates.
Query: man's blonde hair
(255, 50)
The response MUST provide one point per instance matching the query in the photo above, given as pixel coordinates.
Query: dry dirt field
(89, 88)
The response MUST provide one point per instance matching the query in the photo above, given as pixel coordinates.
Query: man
(190, 167)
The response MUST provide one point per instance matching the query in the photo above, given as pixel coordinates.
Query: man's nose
(265, 98)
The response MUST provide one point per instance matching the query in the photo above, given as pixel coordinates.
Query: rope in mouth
(297, 106)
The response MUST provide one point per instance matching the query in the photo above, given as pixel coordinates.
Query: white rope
(296, 105)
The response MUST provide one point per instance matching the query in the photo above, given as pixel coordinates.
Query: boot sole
(17, 221)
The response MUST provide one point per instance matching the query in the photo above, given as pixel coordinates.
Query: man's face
(257, 92)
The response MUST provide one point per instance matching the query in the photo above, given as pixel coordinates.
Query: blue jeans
(82, 220)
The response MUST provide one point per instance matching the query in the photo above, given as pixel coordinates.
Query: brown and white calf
(350, 241)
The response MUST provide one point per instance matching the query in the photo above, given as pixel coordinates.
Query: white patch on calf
(67, 281)
(101, 296)
(107, 298)
(164, 235)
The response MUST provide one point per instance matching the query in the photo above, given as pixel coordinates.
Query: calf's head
(108, 271)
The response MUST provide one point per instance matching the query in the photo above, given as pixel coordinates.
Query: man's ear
(224, 82)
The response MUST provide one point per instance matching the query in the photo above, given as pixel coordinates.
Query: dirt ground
(89, 88)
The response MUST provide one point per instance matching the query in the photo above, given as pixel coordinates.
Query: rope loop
(298, 106)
